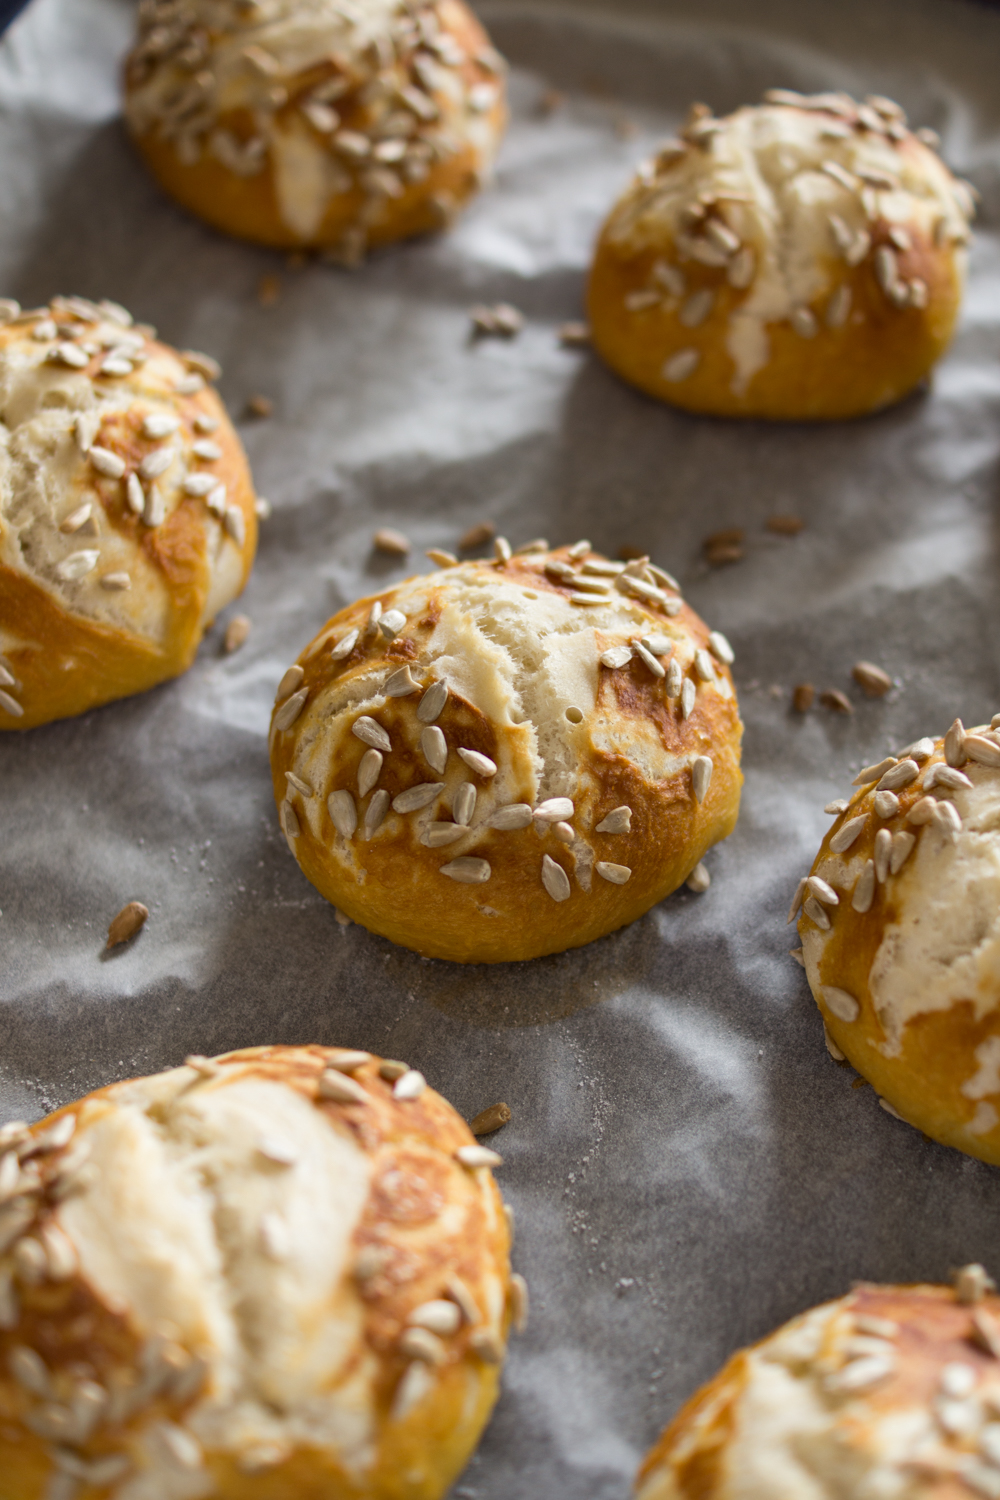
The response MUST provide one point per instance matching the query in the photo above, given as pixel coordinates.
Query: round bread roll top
(504, 759)
(893, 1390)
(282, 1271)
(901, 934)
(798, 259)
(308, 122)
(127, 511)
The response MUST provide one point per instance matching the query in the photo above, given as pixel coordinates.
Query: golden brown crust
(65, 661)
(394, 885)
(421, 1242)
(854, 334)
(923, 1070)
(354, 218)
(927, 1332)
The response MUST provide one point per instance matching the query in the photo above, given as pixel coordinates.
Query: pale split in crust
(283, 1271)
(802, 258)
(890, 1391)
(503, 759)
(127, 510)
(900, 926)
(314, 122)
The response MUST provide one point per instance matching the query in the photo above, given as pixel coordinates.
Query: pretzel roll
(309, 123)
(505, 759)
(281, 1272)
(893, 1390)
(799, 259)
(900, 930)
(127, 510)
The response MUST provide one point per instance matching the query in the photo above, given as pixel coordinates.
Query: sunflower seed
(290, 820)
(922, 811)
(947, 818)
(400, 684)
(342, 1089)
(696, 308)
(160, 424)
(514, 815)
(843, 1005)
(478, 1156)
(618, 820)
(616, 656)
(704, 666)
(467, 870)
(598, 586)
(616, 874)
(369, 768)
(375, 815)
(344, 646)
(803, 320)
(846, 835)
(432, 702)
(680, 365)
(840, 174)
(156, 463)
(349, 1061)
(985, 752)
(601, 567)
(343, 813)
(501, 547)
(416, 797)
(874, 773)
(374, 615)
(838, 307)
(477, 762)
(701, 776)
(721, 648)
(30, 1371)
(69, 354)
(800, 891)
(290, 710)
(657, 645)
(197, 485)
(883, 852)
(235, 525)
(106, 462)
(555, 879)
(902, 845)
(899, 776)
(77, 565)
(837, 806)
(675, 679)
(861, 1374)
(44, 331)
(437, 835)
(291, 679)
(886, 805)
(699, 880)
(464, 803)
(413, 1388)
(76, 519)
(553, 810)
(410, 1086)
(819, 888)
(116, 582)
(649, 660)
(391, 623)
(439, 1316)
(812, 909)
(370, 733)
(946, 776)
(689, 693)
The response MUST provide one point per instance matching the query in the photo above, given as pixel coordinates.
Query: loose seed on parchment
(127, 923)
(236, 633)
(873, 682)
(490, 1119)
(260, 406)
(477, 536)
(574, 335)
(784, 525)
(392, 542)
(836, 701)
(803, 696)
(724, 547)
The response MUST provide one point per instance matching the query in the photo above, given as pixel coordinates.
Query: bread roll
(799, 259)
(505, 759)
(127, 511)
(890, 1391)
(900, 935)
(313, 123)
(279, 1273)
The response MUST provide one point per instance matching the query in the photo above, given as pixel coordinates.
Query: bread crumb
(784, 525)
(490, 1119)
(392, 542)
(127, 923)
(236, 633)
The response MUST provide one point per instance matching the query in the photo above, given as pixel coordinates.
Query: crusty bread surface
(902, 950)
(892, 1390)
(311, 124)
(127, 509)
(800, 259)
(269, 1275)
(543, 776)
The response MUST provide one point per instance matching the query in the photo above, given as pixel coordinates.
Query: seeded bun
(127, 515)
(900, 930)
(799, 259)
(486, 763)
(307, 123)
(282, 1272)
(893, 1390)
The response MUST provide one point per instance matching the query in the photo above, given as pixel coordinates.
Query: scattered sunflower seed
(490, 1120)
(237, 632)
(394, 543)
(803, 696)
(127, 923)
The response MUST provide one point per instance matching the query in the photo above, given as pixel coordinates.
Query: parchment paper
(687, 1165)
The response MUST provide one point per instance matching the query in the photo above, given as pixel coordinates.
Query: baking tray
(687, 1166)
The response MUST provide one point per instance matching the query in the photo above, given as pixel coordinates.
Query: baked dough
(314, 123)
(127, 510)
(280, 1273)
(799, 259)
(504, 759)
(891, 1391)
(901, 935)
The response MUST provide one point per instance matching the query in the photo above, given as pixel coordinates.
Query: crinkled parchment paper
(687, 1165)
